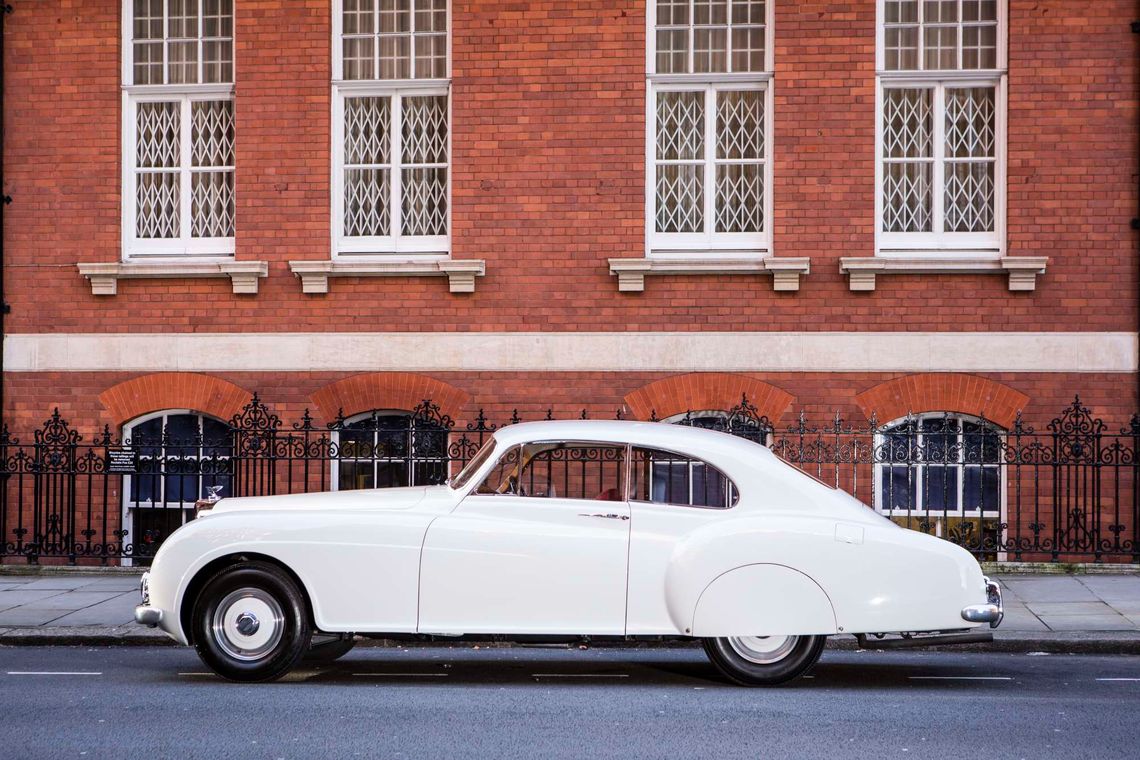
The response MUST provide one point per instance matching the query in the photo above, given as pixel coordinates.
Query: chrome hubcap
(248, 624)
(763, 650)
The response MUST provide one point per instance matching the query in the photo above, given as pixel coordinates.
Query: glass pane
(146, 437)
(358, 58)
(979, 10)
(663, 477)
(182, 19)
(748, 12)
(672, 51)
(357, 17)
(395, 16)
(217, 61)
(710, 486)
(218, 18)
(217, 438)
(147, 17)
(981, 443)
(901, 11)
(896, 488)
(940, 440)
(940, 47)
(182, 62)
(395, 57)
(901, 48)
(707, 12)
(352, 475)
(430, 15)
(748, 49)
(431, 56)
(940, 488)
(148, 63)
(503, 477)
(673, 12)
(710, 50)
(982, 489)
(391, 475)
(979, 47)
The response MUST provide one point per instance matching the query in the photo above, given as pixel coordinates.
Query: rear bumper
(991, 612)
(145, 615)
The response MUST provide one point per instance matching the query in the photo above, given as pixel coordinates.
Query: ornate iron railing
(1065, 493)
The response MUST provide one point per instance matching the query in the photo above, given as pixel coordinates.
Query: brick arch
(943, 392)
(174, 390)
(700, 391)
(387, 390)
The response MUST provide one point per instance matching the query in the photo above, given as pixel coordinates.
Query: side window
(560, 470)
(663, 477)
(504, 476)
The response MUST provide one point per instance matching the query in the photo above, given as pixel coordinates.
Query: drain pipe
(1136, 226)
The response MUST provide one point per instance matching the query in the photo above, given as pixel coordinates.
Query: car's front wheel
(250, 623)
(764, 660)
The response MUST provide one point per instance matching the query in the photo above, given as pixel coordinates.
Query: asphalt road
(71, 702)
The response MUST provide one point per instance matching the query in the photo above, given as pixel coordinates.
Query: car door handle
(610, 516)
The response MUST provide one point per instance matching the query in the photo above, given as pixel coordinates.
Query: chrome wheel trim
(763, 650)
(248, 624)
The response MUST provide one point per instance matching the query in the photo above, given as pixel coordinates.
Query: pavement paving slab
(73, 600)
(63, 583)
(26, 596)
(1088, 623)
(1049, 589)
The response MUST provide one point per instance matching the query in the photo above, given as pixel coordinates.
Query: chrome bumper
(991, 612)
(144, 613)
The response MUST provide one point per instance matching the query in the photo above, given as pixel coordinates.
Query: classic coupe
(566, 529)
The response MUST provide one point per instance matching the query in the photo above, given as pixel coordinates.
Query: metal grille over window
(367, 165)
(941, 128)
(393, 164)
(709, 81)
(180, 128)
(157, 158)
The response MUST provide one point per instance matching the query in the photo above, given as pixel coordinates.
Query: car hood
(371, 498)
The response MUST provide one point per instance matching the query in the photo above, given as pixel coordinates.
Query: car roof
(709, 445)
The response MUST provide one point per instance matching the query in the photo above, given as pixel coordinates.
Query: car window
(504, 476)
(473, 466)
(665, 477)
(571, 470)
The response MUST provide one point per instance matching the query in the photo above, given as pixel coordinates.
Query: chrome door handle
(610, 516)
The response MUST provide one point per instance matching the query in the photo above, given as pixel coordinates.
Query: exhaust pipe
(908, 642)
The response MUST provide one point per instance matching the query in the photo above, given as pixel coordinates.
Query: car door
(540, 546)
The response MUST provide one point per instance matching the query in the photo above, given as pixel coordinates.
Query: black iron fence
(1065, 493)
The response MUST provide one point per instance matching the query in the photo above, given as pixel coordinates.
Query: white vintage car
(555, 529)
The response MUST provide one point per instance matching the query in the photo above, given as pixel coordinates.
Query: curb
(1102, 643)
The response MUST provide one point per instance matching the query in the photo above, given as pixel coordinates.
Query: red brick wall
(548, 174)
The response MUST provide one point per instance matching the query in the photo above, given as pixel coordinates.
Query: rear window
(665, 477)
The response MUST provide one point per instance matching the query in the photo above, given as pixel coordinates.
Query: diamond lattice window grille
(212, 204)
(157, 129)
(157, 205)
(907, 123)
(367, 130)
(424, 133)
(740, 198)
(970, 197)
(740, 125)
(970, 122)
(680, 198)
(212, 132)
(424, 210)
(907, 197)
(366, 202)
(680, 126)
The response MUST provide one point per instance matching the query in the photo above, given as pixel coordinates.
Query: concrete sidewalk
(1079, 613)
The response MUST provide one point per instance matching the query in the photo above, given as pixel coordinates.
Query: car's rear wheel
(250, 623)
(764, 660)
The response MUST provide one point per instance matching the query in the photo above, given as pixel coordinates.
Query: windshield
(473, 466)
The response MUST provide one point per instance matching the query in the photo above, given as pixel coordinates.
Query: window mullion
(396, 161)
(165, 42)
(376, 39)
(692, 35)
(200, 47)
(710, 163)
(185, 156)
(938, 151)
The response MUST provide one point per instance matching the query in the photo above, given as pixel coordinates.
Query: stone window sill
(105, 276)
(1021, 270)
(460, 274)
(785, 272)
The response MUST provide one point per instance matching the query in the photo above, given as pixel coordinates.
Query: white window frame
(134, 247)
(406, 247)
(938, 243)
(734, 245)
(920, 510)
